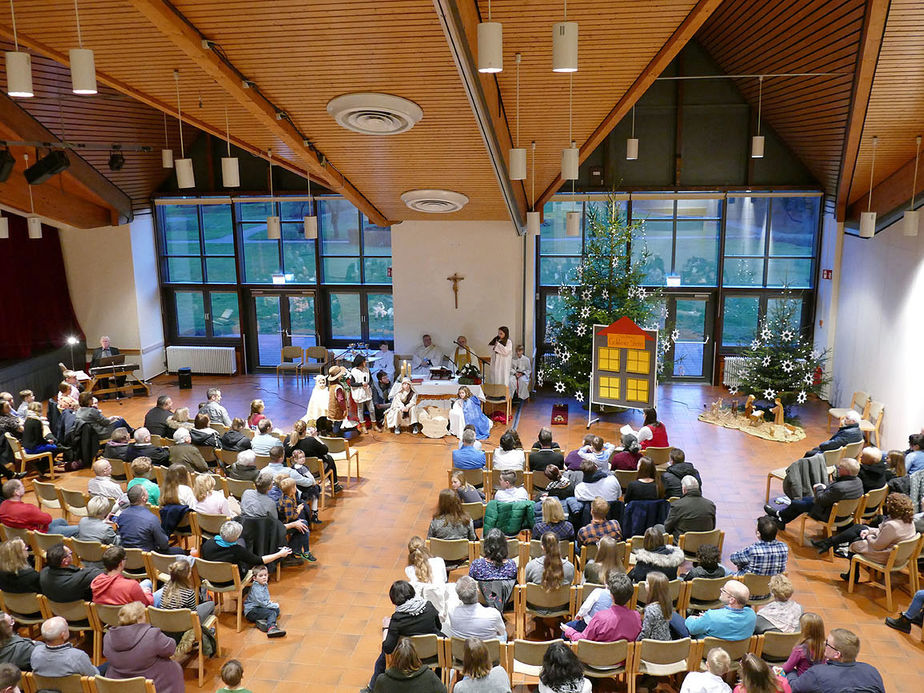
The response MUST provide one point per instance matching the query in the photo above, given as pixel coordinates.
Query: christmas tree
(781, 362)
(605, 286)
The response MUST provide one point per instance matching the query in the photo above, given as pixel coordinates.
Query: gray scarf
(412, 607)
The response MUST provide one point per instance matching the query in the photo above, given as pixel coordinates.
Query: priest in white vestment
(519, 374)
(426, 356)
(501, 356)
(384, 361)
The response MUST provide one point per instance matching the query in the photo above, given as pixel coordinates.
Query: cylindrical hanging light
(565, 47)
(185, 178)
(35, 228)
(570, 162)
(911, 220)
(632, 142)
(311, 227)
(230, 169)
(19, 74)
(166, 154)
(532, 223)
(4, 228)
(517, 155)
(490, 45)
(868, 218)
(573, 224)
(273, 226)
(83, 66)
(757, 141)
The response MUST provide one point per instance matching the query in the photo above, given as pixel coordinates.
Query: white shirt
(262, 443)
(704, 682)
(519, 364)
(607, 488)
(432, 353)
(509, 495)
(104, 486)
(384, 361)
(477, 621)
(587, 688)
(509, 459)
(437, 571)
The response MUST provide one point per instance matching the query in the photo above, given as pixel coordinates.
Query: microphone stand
(481, 360)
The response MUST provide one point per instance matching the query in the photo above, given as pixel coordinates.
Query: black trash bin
(185, 376)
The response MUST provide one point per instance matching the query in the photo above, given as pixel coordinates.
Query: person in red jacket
(112, 587)
(652, 433)
(15, 513)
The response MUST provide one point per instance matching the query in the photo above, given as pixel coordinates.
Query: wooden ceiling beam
(874, 24)
(188, 39)
(694, 20)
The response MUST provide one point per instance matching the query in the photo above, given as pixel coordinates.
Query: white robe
(317, 403)
(519, 386)
(384, 361)
(501, 355)
(362, 393)
(422, 354)
(394, 416)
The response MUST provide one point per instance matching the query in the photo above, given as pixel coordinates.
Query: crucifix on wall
(455, 279)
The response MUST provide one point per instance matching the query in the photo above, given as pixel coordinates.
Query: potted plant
(469, 375)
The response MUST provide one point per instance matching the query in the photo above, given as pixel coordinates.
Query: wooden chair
(135, 567)
(455, 650)
(859, 402)
(79, 620)
(319, 360)
(138, 684)
(118, 469)
(658, 658)
(73, 503)
(429, 649)
(759, 587)
(841, 516)
(339, 449)
(853, 449)
(87, 551)
(24, 457)
(227, 457)
(580, 593)
(589, 553)
(474, 510)
(513, 549)
(872, 423)
(473, 476)
(205, 526)
(63, 684)
(325, 479)
(660, 456)
(534, 599)
(224, 578)
(456, 552)
(41, 542)
(492, 481)
(691, 541)
(182, 620)
(236, 487)
(736, 649)
(603, 660)
(158, 565)
(534, 549)
(47, 495)
(25, 607)
(832, 457)
(703, 594)
(625, 477)
(678, 589)
(8, 533)
(262, 461)
(489, 459)
(870, 505)
(104, 617)
(902, 557)
(497, 394)
(525, 657)
(774, 647)
(291, 361)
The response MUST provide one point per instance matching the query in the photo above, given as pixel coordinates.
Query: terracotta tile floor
(332, 610)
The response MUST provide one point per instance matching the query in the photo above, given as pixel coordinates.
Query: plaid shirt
(594, 532)
(288, 508)
(762, 558)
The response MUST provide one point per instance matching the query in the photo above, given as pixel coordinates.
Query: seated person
(26, 397)
(385, 361)
(117, 447)
(450, 521)
(848, 432)
(156, 418)
(875, 543)
(202, 432)
(599, 526)
(245, 468)
(467, 457)
(213, 408)
(559, 485)
(573, 459)
(226, 547)
(767, 556)
(553, 520)
(257, 407)
(646, 485)
(708, 563)
(710, 681)
(142, 447)
(139, 529)
(783, 613)
(508, 455)
(677, 469)
(519, 374)
(842, 672)
(653, 433)
(914, 457)
(734, 621)
(209, 500)
(14, 512)
(296, 517)
(67, 399)
(403, 409)
(61, 580)
(494, 563)
(545, 452)
(15, 650)
(36, 435)
(597, 483)
(846, 487)
(539, 445)
(426, 356)
(465, 491)
(874, 471)
(599, 452)
(184, 452)
(16, 575)
(473, 620)
(56, 657)
(264, 441)
(627, 458)
(112, 587)
(550, 570)
(143, 475)
(656, 556)
(94, 526)
(615, 623)
(381, 395)
(466, 411)
(509, 492)
(913, 614)
(234, 439)
(88, 413)
(179, 419)
(691, 512)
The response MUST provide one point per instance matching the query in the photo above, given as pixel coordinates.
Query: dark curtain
(35, 312)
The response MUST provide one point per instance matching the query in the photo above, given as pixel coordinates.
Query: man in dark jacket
(156, 419)
(678, 469)
(849, 432)
(413, 616)
(63, 582)
(142, 447)
(874, 471)
(138, 527)
(691, 512)
(846, 487)
(547, 453)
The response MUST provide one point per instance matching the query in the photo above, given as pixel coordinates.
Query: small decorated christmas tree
(781, 362)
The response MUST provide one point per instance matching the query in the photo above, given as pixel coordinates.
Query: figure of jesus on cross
(455, 279)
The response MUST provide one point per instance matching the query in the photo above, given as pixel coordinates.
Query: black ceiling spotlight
(7, 161)
(49, 165)
(116, 158)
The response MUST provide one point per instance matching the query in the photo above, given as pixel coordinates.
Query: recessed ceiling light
(434, 201)
(374, 114)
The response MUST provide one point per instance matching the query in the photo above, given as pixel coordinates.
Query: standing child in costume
(361, 391)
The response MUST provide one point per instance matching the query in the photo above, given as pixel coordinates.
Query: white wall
(490, 257)
(112, 276)
(879, 339)
(826, 297)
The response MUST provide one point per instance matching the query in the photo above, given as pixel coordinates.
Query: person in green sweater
(231, 674)
(407, 674)
(142, 472)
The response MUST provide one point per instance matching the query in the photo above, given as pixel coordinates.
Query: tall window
(198, 244)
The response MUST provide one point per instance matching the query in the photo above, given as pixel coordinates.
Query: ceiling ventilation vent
(374, 114)
(434, 201)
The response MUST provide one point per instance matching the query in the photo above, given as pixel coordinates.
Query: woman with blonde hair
(429, 577)
(16, 575)
(553, 520)
(177, 489)
(180, 592)
(758, 677)
(609, 557)
(450, 521)
(810, 650)
(179, 419)
(550, 570)
(211, 501)
(783, 613)
(480, 675)
(466, 492)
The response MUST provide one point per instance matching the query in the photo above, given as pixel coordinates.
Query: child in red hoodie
(112, 587)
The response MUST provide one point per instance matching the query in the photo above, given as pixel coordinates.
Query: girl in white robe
(318, 402)
(501, 356)
(403, 410)
(519, 375)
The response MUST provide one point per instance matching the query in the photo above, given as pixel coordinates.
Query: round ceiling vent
(434, 201)
(374, 114)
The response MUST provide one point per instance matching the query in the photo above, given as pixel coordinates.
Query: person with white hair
(94, 527)
(56, 657)
(225, 548)
(184, 452)
(142, 447)
(691, 512)
(846, 486)
(473, 620)
(245, 468)
(102, 484)
(848, 432)
(710, 681)
(734, 621)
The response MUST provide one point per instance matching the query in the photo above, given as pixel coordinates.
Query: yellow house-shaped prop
(624, 365)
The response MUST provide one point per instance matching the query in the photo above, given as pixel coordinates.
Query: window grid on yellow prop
(609, 388)
(637, 361)
(608, 359)
(636, 390)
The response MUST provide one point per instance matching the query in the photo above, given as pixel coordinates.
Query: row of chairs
(303, 362)
(621, 659)
(660, 456)
(488, 480)
(85, 618)
(75, 683)
(24, 458)
(870, 411)
(832, 458)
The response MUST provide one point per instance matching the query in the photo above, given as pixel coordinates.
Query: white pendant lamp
(569, 162)
(33, 221)
(757, 141)
(273, 226)
(518, 154)
(573, 224)
(490, 45)
(868, 218)
(4, 228)
(311, 220)
(532, 218)
(166, 154)
(83, 66)
(18, 66)
(230, 168)
(185, 178)
(632, 142)
(911, 220)
(532, 223)
(565, 45)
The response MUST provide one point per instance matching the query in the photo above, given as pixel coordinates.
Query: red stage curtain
(35, 309)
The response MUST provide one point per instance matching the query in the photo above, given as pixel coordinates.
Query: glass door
(360, 316)
(281, 319)
(689, 320)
